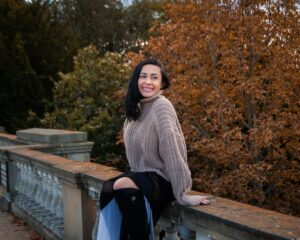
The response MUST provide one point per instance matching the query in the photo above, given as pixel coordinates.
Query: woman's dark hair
(133, 94)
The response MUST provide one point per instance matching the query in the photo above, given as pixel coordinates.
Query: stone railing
(58, 197)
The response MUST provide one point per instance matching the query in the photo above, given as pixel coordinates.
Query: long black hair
(133, 94)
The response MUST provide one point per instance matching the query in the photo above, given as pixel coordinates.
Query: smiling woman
(156, 152)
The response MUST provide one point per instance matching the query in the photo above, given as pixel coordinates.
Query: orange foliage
(235, 84)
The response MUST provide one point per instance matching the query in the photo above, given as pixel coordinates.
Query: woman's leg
(132, 206)
(124, 182)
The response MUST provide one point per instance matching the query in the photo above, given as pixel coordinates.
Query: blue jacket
(110, 221)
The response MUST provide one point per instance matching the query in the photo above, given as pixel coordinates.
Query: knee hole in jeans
(124, 182)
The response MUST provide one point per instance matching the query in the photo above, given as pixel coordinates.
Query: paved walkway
(13, 228)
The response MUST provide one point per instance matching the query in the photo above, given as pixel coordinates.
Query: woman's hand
(204, 200)
(196, 200)
(199, 199)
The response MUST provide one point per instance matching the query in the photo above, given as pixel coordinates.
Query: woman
(156, 151)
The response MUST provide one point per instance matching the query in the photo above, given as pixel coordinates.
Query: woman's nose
(148, 80)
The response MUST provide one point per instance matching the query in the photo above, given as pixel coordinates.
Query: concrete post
(79, 213)
(69, 144)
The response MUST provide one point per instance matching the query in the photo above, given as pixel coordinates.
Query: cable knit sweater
(155, 142)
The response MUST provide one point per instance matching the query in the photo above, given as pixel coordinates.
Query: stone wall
(57, 192)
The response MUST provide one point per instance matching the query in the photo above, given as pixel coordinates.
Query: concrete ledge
(50, 136)
(236, 220)
(8, 140)
(225, 218)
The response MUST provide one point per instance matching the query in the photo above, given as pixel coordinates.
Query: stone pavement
(12, 228)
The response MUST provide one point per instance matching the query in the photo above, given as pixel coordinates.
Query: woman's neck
(151, 99)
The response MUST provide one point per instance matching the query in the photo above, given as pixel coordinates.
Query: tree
(235, 66)
(90, 99)
(139, 17)
(34, 45)
(109, 25)
(97, 22)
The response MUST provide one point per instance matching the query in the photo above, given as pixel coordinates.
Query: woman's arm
(172, 149)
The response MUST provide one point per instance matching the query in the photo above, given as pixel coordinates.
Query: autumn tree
(234, 67)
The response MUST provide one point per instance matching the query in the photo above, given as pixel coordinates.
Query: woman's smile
(147, 89)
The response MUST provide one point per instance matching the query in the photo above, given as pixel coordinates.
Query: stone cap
(50, 136)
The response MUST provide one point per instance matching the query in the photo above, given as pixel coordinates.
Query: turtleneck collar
(151, 99)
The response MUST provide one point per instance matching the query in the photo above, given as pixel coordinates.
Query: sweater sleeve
(172, 149)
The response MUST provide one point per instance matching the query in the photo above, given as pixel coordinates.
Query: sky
(127, 2)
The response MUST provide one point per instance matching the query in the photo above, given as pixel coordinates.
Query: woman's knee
(124, 182)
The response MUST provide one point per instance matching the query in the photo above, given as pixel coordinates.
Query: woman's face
(150, 80)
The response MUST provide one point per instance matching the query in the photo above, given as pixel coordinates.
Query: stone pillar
(79, 213)
(79, 210)
(69, 144)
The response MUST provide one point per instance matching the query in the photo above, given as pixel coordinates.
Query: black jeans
(155, 188)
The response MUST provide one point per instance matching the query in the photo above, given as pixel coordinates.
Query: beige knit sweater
(155, 142)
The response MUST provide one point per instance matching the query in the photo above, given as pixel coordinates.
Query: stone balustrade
(39, 194)
(58, 197)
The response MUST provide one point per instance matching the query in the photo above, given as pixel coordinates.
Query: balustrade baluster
(35, 184)
(24, 198)
(170, 230)
(46, 190)
(28, 201)
(185, 233)
(39, 186)
(18, 182)
(51, 220)
(32, 182)
(38, 197)
(43, 188)
(59, 209)
(22, 182)
(42, 212)
(54, 221)
(59, 228)
(23, 178)
(50, 191)
(34, 188)
(55, 197)
(36, 209)
(29, 181)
